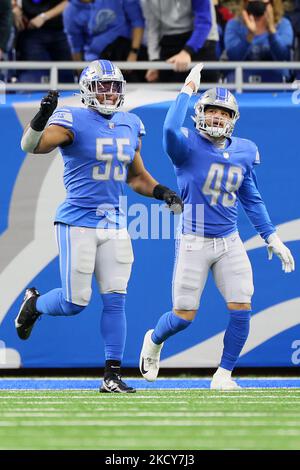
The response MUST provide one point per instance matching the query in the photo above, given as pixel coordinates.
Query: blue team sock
(113, 325)
(53, 303)
(235, 337)
(167, 326)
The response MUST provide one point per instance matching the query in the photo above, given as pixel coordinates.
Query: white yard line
(117, 414)
(159, 423)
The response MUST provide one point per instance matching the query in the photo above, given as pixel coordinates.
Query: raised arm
(175, 141)
(140, 180)
(37, 139)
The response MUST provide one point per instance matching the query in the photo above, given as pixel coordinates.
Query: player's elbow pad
(30, 139)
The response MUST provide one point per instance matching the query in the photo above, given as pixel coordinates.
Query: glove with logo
(172, 199)
(48, 105)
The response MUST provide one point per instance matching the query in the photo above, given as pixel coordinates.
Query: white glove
(276, 246)
(194, 76)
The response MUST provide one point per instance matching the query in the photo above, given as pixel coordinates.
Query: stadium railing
(238, 84)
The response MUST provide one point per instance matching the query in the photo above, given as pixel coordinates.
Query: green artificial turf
(150, 419)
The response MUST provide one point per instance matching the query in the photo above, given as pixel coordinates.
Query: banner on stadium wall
(31, 188)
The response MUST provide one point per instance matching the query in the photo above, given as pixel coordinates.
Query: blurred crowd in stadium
(177, 31)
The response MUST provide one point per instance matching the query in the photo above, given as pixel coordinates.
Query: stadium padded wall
(31, 188)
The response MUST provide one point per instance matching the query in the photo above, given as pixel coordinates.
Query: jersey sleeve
(175, 137)
(254, 206)
(257, 157)
(138, 126)
(141, 128)
(63, 117)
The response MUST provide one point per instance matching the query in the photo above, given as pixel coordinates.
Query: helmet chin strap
(219, 142)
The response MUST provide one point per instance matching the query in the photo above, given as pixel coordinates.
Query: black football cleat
(28, 314)
(114, 384)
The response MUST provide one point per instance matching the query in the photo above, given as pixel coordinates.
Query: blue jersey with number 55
(95, 163)
(212, 180)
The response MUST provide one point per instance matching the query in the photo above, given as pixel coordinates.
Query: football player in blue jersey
(101, 152)
(213, 170)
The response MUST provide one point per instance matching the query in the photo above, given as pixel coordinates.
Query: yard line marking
(210, 395)
(118, 414)
(159, 423)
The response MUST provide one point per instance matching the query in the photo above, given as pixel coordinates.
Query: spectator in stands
(76, 19)
(41, 36)
(116, 28)
(292, 12)
(223, 15)
(5, 25)
(260, 33)
(232, 5)
(180, 32)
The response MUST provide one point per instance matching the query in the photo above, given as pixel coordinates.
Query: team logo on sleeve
(62, 116)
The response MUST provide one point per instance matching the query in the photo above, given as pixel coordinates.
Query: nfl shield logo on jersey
(111, 125)
(226, 155)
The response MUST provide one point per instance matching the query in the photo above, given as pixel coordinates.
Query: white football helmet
(219, 98)
(98, 82)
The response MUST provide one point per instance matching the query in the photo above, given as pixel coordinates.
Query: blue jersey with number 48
(213, 178)
(95, 163)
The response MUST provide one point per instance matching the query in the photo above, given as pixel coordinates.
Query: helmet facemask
(104, 96)
(215, 126)
(102, 86)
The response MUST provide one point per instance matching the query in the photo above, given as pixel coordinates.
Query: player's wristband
(159, 192)
(38, 123)
(187, 89)
(30, 139)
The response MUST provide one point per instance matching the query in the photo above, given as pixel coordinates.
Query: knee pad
(70, 308)
(117, 285)
(185, 302)
(82, 296)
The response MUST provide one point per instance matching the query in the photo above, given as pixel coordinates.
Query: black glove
(172, 199)
(48, 105)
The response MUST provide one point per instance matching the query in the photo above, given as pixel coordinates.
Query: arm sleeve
(152, 30)
(281, 42)
(134, 13)
(175, 138)
(254, 206)
(202, 24)
(235, 40)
